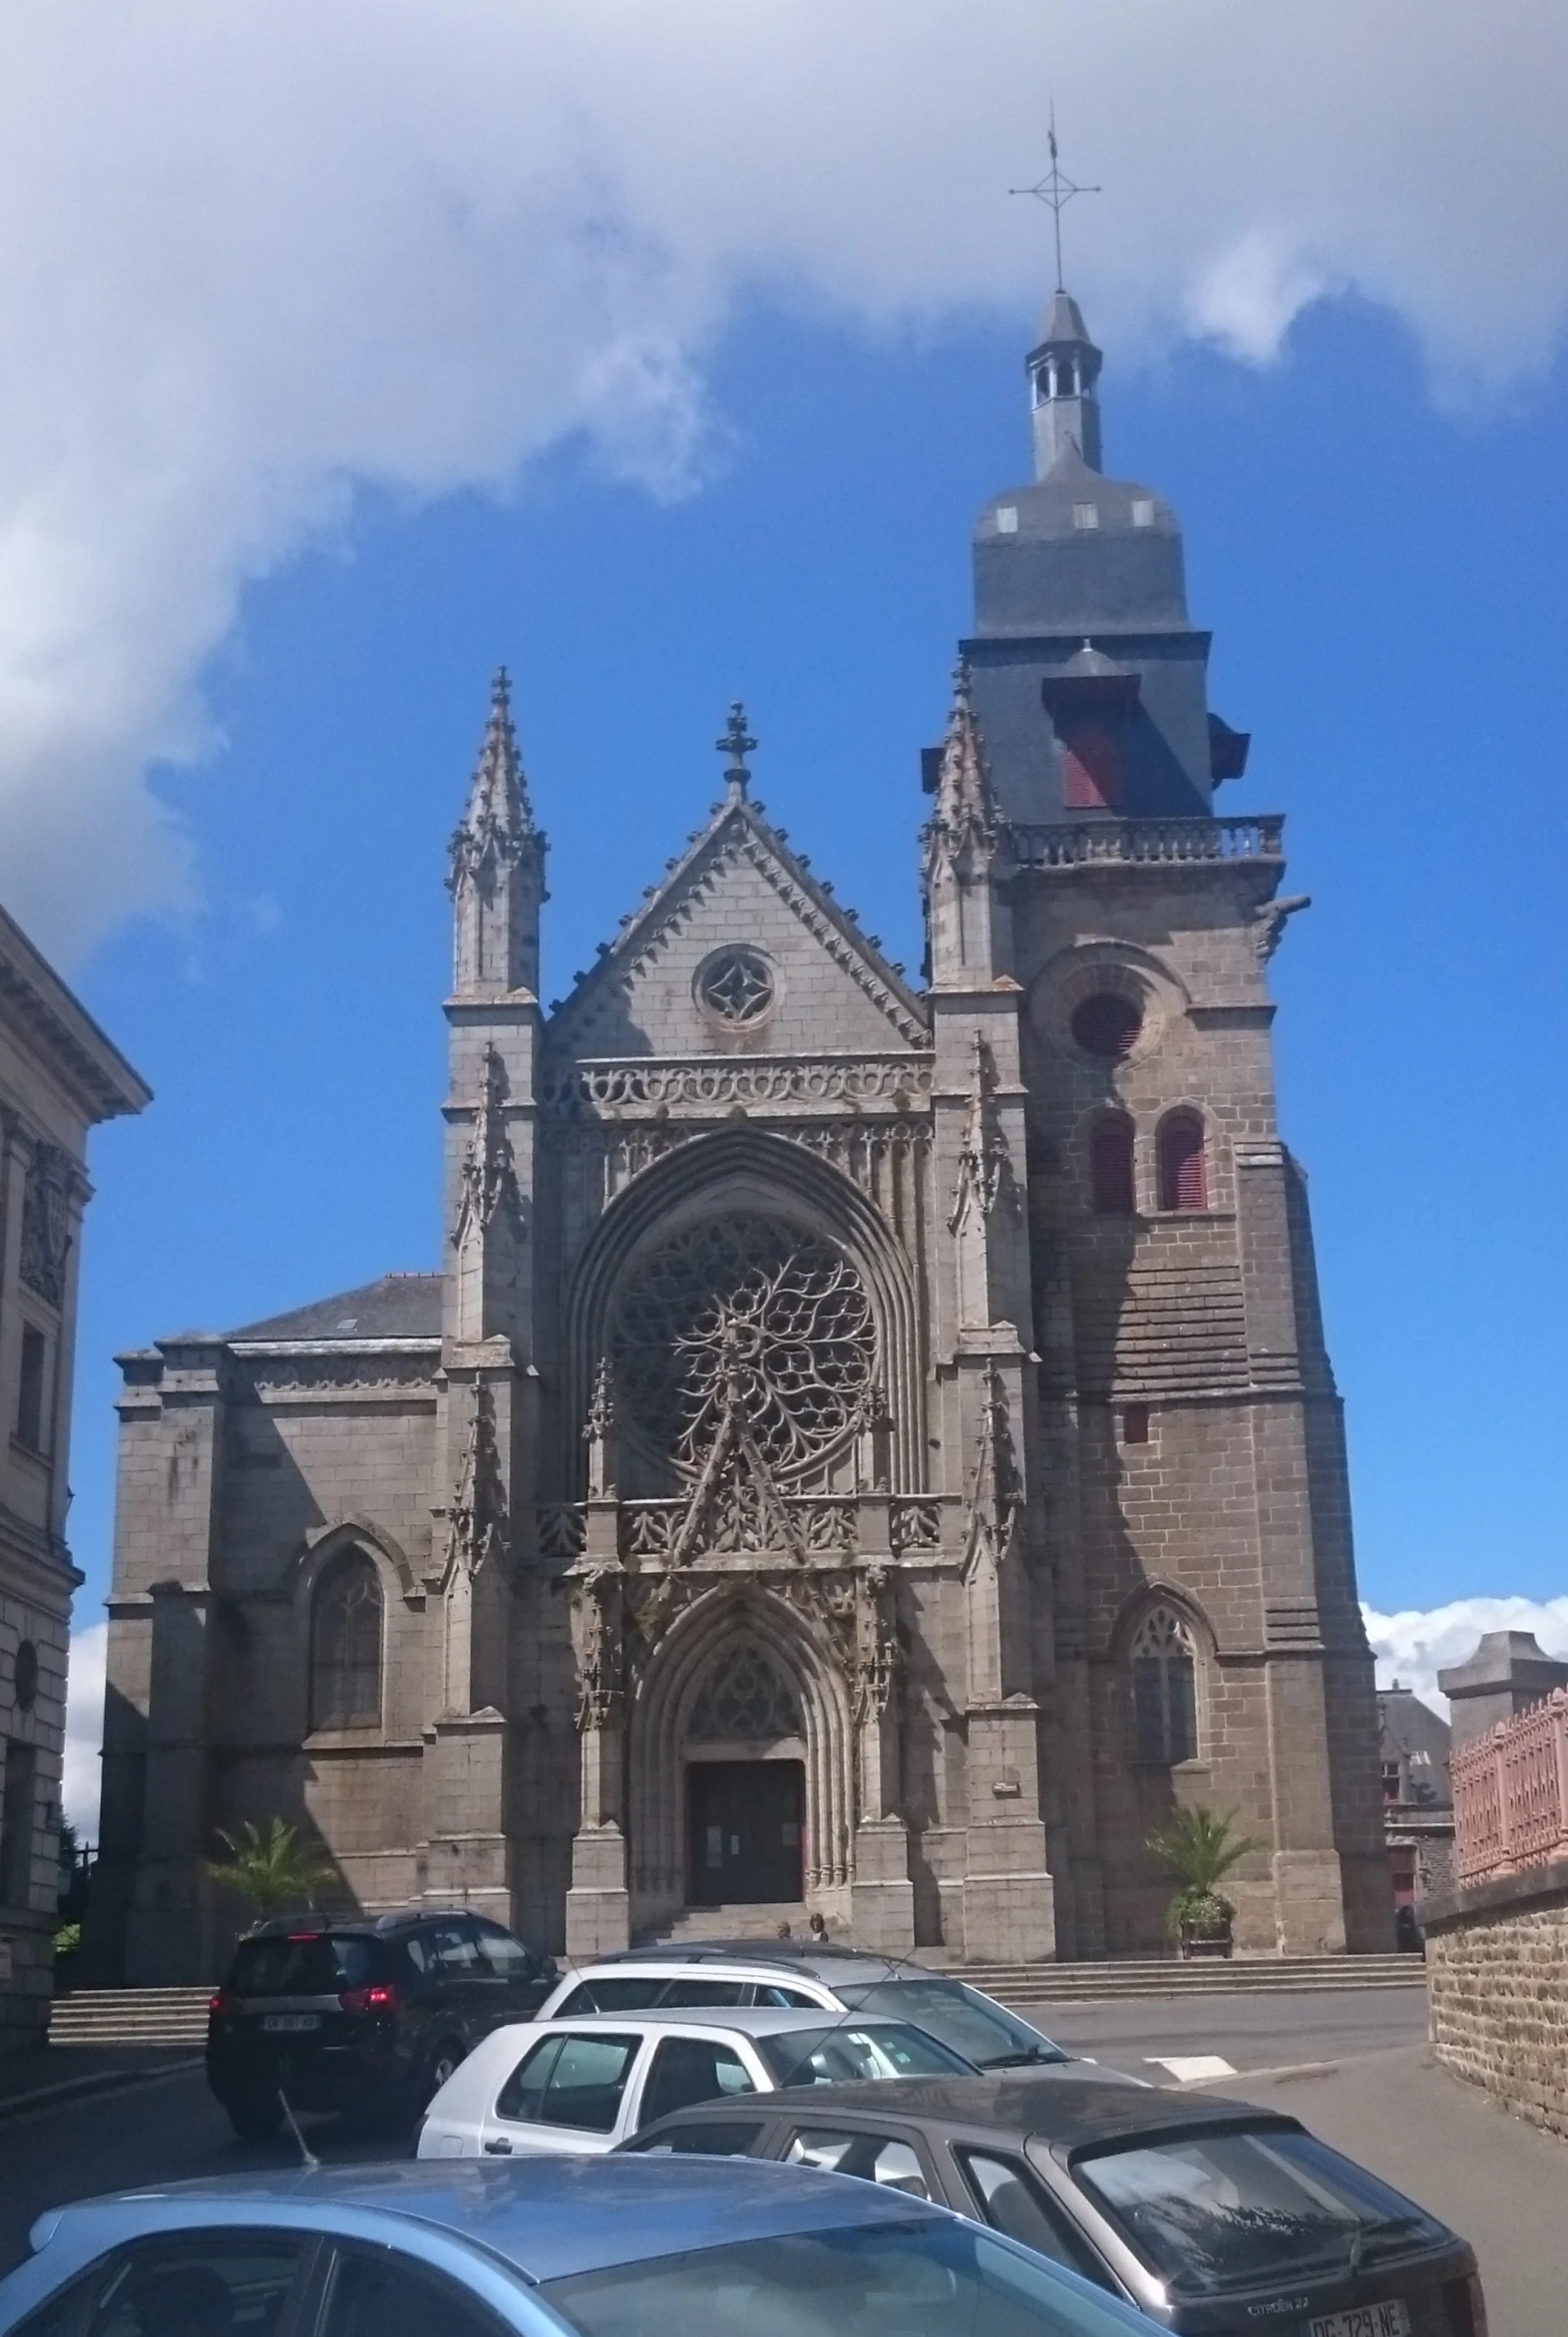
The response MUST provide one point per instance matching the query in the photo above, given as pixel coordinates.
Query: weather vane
(1055, 190)
(738, 744)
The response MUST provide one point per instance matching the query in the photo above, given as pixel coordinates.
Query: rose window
(744, 1303)
(737, 988)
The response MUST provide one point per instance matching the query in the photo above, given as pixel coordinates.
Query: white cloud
(1416, 1645)
(84, 1732)
(251, 257)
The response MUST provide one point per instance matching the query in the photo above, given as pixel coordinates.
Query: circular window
(1106, 1025)
(743, 1302)
(26, 1675)
(737, 988)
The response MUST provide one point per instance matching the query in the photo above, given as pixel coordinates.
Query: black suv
(361, 2015)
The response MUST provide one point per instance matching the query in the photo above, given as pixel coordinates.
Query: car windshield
(841, 2052)
(1213, 2211)
(935, 2278)
(973, 2025)
(311, 1964)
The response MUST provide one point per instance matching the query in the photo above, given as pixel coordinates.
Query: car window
(784, 2000)
(207, 2284)
(719, 2137)
(1014, 2199)
(506, 1956)
(455, 1952)
(874, 2158)
(385, 2295)
(311, 1964)
(611, 1995)
(1211, 2211)
(62, 2315)
(569, 2082)
(923, 2276)
(985, 2032)
(691, 2069)
(839, 2053)
(694, 1992)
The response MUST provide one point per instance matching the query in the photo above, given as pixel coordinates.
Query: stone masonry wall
(1497, 1966)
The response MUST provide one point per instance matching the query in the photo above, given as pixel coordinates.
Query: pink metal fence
(1510, 1793)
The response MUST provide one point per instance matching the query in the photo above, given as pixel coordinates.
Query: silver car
(554, 2247)
(793, 1975)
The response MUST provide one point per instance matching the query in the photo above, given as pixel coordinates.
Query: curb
(80, 2089)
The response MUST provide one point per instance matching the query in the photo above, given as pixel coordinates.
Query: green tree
(270, 1867)
(1199, 1847)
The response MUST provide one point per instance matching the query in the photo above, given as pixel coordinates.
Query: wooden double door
(744, 1825)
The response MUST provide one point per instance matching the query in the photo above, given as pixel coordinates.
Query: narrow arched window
(1184, 1177)
(1164, 1691)
(1110, 1165)
(345, 1644)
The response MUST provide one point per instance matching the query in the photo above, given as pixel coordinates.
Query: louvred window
(1091, 768)
(1184, 1182)
(1110, 1166)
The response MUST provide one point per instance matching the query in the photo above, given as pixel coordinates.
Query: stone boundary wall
(1497, 1969)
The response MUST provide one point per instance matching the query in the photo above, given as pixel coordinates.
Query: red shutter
(1091, 768)
(1184, 1181)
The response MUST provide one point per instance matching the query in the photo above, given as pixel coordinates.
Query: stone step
(131, 2015)
(752, 1922)
(1243, 1976)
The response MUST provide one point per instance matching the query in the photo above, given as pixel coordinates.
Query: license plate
(289, 2023)
(1391, 2318)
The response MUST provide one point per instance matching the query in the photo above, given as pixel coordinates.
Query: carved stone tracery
(745, 1305)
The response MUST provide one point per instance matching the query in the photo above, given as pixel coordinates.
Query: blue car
(605, 2247)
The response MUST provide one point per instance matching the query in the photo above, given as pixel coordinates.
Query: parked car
(583, 2086)
(1210, 2215)
(600, 2247)
(360, 2016)
(838, 1979)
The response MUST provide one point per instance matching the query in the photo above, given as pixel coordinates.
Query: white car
(799, 1976)
(583, 2086)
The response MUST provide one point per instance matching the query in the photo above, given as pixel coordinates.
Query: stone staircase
(1109, 1983)
(758, 1923)
(131, 2015)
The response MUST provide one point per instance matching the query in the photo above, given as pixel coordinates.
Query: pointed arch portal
(741, 1728)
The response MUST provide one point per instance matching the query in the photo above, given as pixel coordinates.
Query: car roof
(750, 2020)
(548, 2217)
(678, 1967)
(1040, 2107)
(781, 1954)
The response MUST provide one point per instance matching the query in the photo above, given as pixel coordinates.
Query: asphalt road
(1501, 2182)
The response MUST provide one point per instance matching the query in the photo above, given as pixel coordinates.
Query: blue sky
(1386, 585)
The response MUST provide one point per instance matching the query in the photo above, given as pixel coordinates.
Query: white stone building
(58, 1075)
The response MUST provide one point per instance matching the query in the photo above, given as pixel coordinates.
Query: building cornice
(62, 1036)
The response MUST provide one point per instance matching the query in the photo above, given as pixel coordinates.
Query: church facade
(869, 1447)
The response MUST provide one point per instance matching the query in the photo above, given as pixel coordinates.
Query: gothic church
(868, 1448)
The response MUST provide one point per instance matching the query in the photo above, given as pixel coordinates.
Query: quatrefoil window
(737, 988)
(781, 1313)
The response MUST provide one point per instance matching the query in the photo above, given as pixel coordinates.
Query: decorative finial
(501, 691)
(738, 744)
(1055, 190)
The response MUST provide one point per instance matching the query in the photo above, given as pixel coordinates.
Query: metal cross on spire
(738, 744)
(1055, 190)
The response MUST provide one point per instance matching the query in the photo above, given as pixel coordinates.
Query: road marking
(1190, 2069)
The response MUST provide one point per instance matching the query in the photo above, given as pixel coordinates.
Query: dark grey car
(1212, 2216)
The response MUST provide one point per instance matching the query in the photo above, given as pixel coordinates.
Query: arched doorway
(738, 1683)
(744, 1758)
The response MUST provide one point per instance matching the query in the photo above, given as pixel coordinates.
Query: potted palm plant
(270, 1867)
(1199, 1847)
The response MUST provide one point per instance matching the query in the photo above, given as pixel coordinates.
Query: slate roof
(399, 1306)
